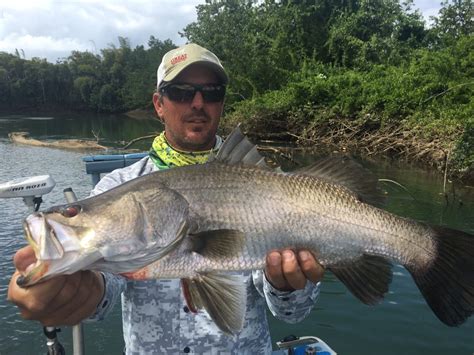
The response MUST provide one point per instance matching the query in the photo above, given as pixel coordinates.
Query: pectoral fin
(224, 297)
(219, 243)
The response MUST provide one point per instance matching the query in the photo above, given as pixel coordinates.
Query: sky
(52, 29)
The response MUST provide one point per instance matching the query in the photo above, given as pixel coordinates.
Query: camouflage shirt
(156, 319)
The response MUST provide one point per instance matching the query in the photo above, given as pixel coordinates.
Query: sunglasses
(186, 92)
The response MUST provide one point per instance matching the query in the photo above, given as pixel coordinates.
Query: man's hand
(62, 300)
(287, 271)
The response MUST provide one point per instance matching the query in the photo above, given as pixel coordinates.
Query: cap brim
(220, 72)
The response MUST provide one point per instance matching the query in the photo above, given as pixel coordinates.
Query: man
(189, 100)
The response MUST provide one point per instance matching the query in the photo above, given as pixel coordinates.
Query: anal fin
(368, 278)
(223, 296)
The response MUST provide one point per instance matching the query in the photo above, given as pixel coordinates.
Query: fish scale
(328, 213)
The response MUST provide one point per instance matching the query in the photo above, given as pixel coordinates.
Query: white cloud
(428, 8)
(42, 46)
(52, 29)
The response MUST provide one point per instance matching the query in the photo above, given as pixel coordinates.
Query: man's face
(191, 126)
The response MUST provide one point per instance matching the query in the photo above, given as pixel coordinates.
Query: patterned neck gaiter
(164, 156)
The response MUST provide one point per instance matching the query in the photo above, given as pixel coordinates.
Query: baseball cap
(176, 60)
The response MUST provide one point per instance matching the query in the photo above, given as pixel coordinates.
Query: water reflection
(112, 130)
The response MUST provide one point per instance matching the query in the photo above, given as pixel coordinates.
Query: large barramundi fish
(199, 222)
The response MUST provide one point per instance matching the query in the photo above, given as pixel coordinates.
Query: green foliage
(455, 20)
(119, 79)
(85, 86)
(434, 89)
(262, 43)
(108, 98)
(380, 31)
(434, 83)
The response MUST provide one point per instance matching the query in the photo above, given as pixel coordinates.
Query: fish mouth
(41, 236)
(33, 274)
(37, 270)
(30, 237)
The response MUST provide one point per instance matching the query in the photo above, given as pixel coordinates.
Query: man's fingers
(37, 299)
(73, 297)
(292, 271)
(63, 300)
(274, 271)
(24, 258)
(310, 267)
(287, 271)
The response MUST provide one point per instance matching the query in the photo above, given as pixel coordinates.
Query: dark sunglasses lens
(180, 94)
(214, 93)
(185, 93)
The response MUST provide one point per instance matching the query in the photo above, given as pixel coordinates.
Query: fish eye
(71, 211)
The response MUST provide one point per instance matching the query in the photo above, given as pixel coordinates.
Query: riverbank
(369, 138)
(405, 142)
(447, 151)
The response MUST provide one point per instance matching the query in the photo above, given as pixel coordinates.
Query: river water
(401, 324)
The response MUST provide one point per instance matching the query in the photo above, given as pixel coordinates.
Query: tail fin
(448, 284)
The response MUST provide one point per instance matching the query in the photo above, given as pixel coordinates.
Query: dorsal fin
(345, 171)
(237, 149)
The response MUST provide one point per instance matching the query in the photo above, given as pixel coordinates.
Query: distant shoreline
(408, 145)
(137, 114)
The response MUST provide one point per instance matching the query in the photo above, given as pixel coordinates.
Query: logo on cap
(179, 58)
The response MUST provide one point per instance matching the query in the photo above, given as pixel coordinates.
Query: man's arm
(114, 285)
(290, 283)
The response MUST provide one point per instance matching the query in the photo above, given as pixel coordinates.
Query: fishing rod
(32, 189)
(77, 330)
(52, 343)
